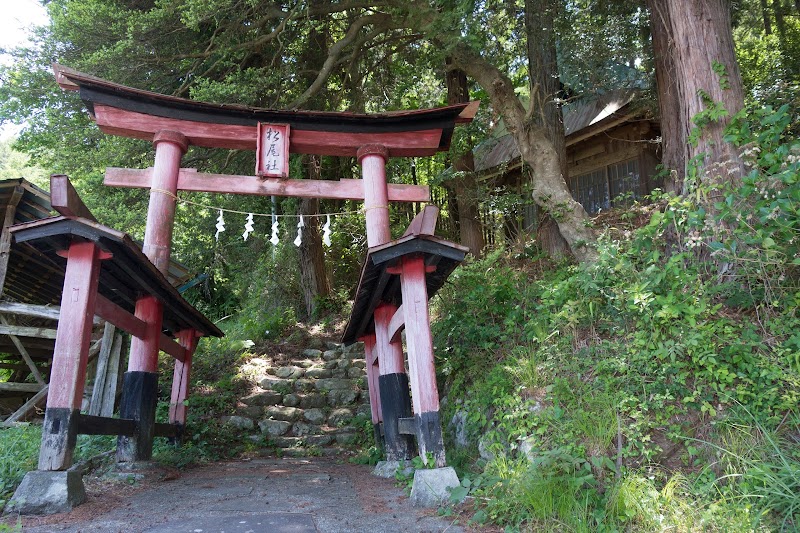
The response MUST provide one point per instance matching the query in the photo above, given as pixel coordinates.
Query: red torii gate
(173, 124)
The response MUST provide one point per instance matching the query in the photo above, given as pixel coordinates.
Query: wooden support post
(372, 158)
(421, 367)
(372, 384)
(24, 353)
(104, 392)
(70, 356)
(140, 384)
(5, 235)
(180, 378)
(393, 386)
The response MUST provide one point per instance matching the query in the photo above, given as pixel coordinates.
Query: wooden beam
(64, 198)
(191, 180)
(418, 143)
(103, 367)
(111, 312)
(22, 413)
(24, 331)
(424, 223)
(397, 324)
(166, 430)
(101, 425)
(20, 387)
(25, 355)
(5, 235)
(50, 312)
(170, 347)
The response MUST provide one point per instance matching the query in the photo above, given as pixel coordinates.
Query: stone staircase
(308, 404)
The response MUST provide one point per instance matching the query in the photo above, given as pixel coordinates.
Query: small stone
(331, 345)
(319, 440)
(364, 410)
(339, 417)
(344, 363)
(305, 363)
(263, 398)
(359, 363)
(318, 373)
(250, 411)
(289, 414)
(301, 429)
(333, 363)
(339, 397)
(237, 422)
(275, 384)
(346, 439)
(315, 416)
(356, 347)
(304, 385)
(309, 401)
(355, 372)
(458, 428)
(430, 486)
(330, 354)
(388, 469)
(289, 372)
(291, 400)
(312, 352)
(333, 384)
(339, 373)
(288, 442)
(274, 428)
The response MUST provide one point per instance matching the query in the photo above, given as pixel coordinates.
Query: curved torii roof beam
(129, 112)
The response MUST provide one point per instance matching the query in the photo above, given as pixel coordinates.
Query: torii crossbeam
(173, 124)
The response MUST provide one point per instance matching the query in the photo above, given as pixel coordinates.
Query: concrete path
(287, 495)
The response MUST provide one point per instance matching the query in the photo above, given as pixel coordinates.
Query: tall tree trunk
(780, 23)
(669, 98)
(466, 191)
(545, 111)
(765, 16)
(549, 189)
(700, 64)
(314, 280)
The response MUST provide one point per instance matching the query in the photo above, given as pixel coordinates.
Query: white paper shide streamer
(248, 226)
(299, 239)
(326, 231)
(274, 239)
(220, 225)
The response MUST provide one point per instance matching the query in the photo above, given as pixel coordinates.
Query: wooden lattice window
(623, 179)
(596, 190)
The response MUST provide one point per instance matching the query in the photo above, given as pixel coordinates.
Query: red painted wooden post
(424, 391)
(372, 384)
(393, 386)
(68, 374)
(372, 158)
(180, 378)
(140, 384)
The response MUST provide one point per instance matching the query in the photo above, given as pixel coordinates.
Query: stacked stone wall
(308, 402)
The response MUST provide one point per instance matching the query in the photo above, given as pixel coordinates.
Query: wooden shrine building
(398, 277)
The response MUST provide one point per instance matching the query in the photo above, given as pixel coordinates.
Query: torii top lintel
(129, 112)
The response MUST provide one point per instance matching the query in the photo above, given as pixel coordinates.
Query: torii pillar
(140, 383)
(393, 384)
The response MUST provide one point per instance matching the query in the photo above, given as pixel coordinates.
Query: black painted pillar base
(139, 398)
(59, 436)
(377, 429)
(429, 437)
(395, 404)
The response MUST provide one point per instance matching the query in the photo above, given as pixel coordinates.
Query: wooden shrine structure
(30, 292)
(398, 278)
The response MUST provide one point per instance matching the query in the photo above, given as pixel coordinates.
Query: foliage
(585, 386)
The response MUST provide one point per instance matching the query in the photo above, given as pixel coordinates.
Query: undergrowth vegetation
(655, 389)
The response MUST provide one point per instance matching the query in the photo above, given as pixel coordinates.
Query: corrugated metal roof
(578, 116)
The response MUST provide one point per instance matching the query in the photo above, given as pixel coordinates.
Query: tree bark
(466, 189)
(696, 60)
(780, 23)
(544, 109)
(765, 16)
(314, 280)
(549, 189)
